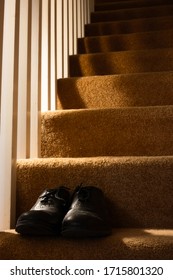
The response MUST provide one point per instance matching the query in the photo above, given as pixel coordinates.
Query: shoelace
(49, 196)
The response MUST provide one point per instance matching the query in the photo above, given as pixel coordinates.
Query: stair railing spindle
(7, 133)
(1, 40)
(59, 38)
(45, 56)
(65, 37)
(53, 70)
(75, 25)
(71, 26)
(34, 102)
(23, 79)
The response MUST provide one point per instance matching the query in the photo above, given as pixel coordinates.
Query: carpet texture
(129, 26)
(122, 244)
(125, 14)
(139, 189)
(122, 62)
(130, 4)
(110, 91)
(134, 41)
(126, 131)
(112, 129)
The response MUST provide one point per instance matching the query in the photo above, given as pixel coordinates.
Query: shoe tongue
(83, 194)
(62, 193)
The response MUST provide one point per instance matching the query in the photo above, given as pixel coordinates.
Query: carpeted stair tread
(122, 244)
(123, 42)
(129, 4)
(110, 91)
(125, 14)
(139, 189)
(129, 26)
(110, 1)
(104, 1)
(132, 131)
(122, 62)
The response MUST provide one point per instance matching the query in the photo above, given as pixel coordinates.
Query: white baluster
(23, 80)
(45, 57)
(1, 39)
(59, 38)
(7, 134)
(75, 25)
(34, 104)
(53, 71)
(65, 37)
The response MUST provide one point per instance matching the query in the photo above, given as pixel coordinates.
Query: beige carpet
(113, 129)
(115, 5)
(122, 244)
(134, 41)
(129, 26)
(111, 91)
(139, 189)
(122, 62)
(125, 14)
(124, 131)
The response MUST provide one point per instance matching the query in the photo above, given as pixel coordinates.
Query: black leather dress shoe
(45, 217)
(88, 215)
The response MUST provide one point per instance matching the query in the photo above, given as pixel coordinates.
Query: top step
(134, 13)
(130, 4)
(104, 1)
(129, 26)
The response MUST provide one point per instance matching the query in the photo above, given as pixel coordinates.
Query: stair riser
(115, 132)
(135, 41)
(132, 14)
(130, 4)
(131, 26)
(116, 91)
(124, 62)
(139, 190)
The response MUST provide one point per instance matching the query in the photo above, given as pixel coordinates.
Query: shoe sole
(26, 227)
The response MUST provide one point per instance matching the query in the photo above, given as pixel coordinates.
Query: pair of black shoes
(82, 214)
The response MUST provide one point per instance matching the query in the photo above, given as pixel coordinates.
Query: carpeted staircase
(113, 129)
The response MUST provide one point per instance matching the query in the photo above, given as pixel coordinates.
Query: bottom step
(128, 244)
(139, 189)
